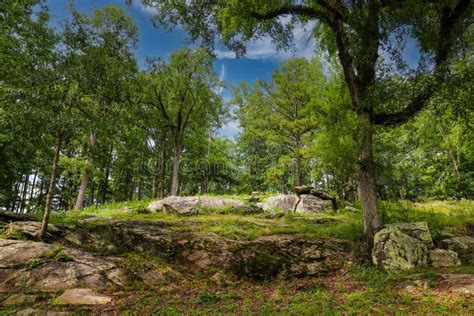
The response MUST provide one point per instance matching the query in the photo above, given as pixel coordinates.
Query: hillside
(128, 260)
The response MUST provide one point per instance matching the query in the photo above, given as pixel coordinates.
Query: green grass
(230, 223)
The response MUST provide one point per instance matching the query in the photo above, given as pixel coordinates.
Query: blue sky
(261, 60)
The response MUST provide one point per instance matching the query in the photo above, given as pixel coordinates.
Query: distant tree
(366, 38)
(184, 92)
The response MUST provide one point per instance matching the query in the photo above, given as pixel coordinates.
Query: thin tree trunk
(176, 161)
(25, 190)
(32, 190)
(367, 190)
(85, 177)
(52, 184)
(105, 183)
(163, 170)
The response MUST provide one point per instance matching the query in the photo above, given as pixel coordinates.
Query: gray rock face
(25, 229)
(463, 245)
(312, 204)
(207, 253)
(418, 230)
(395, 251)
(282, 203)
(444, 258)
(189, 205)
(35, 265)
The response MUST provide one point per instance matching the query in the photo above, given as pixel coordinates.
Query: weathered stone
(83, 297)
(19, 252)
(20, 299)
(188, 205)
(27, 230)
(395, 251)
(418, 230)
(282, 203)
(303, 189)
(36, 266)
(463, 245)
(213, 203)
(312, 204)
(459, 283)
(444, 258)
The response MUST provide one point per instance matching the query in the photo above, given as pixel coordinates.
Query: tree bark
(176, 161)
(105, 183)
(298, 172)
(366, 189)
(52, 185)
(85, 177)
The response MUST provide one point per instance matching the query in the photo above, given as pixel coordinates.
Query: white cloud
(222, 79)
(144, 8)
(303, 40)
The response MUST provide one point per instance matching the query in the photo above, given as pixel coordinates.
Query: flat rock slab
(17, 252)
(83, 297)
(460, 283)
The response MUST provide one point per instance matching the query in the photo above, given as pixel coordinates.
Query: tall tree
(184, 92)
(362, 34)
(102, 44)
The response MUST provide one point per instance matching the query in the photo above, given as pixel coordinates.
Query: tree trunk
(366, 189)
(32, 189)
(298, 172)
(105, 182)
(176, 161)
(23, 194)
(52, 184)
(85, 177)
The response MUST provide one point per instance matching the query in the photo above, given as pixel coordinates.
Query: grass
(447, 216)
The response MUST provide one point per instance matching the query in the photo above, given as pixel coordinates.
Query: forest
(89, 131)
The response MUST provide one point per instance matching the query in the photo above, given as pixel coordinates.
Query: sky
(261, 60)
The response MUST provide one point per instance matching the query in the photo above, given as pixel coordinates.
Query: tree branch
(448, 20)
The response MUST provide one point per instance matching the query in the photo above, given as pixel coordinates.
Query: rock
(41, 267)
(29, 312)
(395, 251)
(303, 189)
(118, 276)
(282, 203)
(18, 252)
(419, 231)
(463, 245)
(444, 258)
(20, 299)
(212, 203)
(188, 205)
(83, 297)
(27, 230)
(459, 283)
(312, 204)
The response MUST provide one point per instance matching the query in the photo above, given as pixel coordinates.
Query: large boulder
(283, 203)
(189, 205)
(395, 251)
(418, 230)
(312, 204)
(463, 245)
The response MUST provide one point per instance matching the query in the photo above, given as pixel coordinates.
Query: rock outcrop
(395, 251)
(281, 203)
(47, 268)
(190, 205)
(311, 204)
(444, 258)
(418, 230)
(462, 244)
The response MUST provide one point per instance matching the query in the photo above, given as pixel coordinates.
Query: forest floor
(357, 289)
